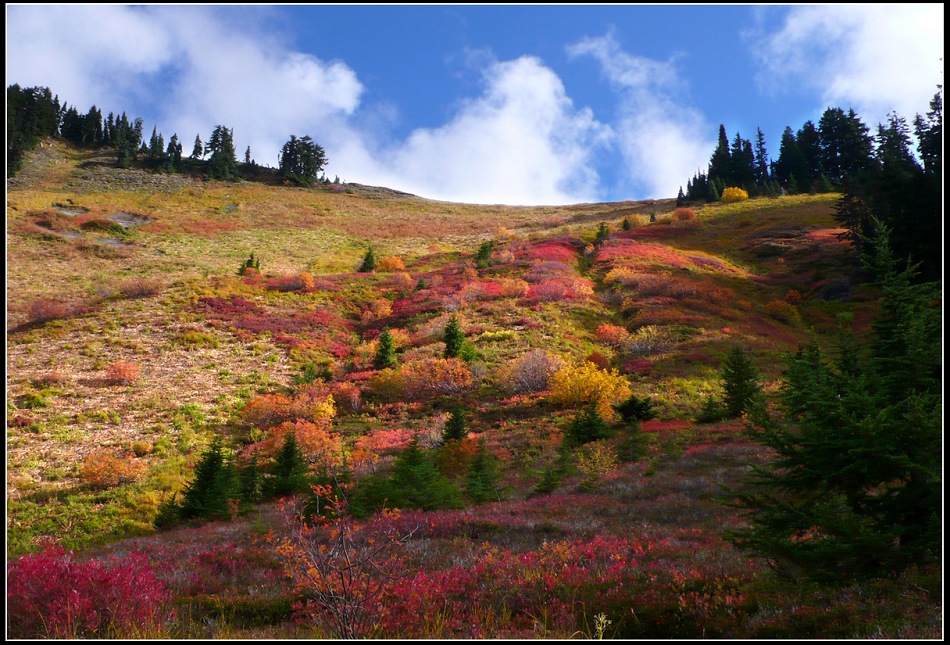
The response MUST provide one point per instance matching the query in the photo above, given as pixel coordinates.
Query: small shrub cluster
(647, 341)
(46, 309)
(252, 263)
(390, 264)
(684, 214)
(140, 288)
(51, 595)
(122, 372)
(302, 281)
(423, 379)
(586, 383)
(783, 311)
(312, 403)
(529, 373)
(105, 469)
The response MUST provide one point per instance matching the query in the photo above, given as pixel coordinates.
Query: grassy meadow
(132, 341)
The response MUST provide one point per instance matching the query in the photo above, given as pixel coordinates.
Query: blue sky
(513, 104)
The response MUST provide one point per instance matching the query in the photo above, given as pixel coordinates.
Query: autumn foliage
(52, 595)
(586, 383)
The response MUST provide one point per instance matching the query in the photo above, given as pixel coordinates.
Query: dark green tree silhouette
(210, 493)
(740, 382)
(856, 488)
(454, 338)
(456, 426)
(385, 351)
(369, 262)
(198, 152)
(290, 469)
(587, 426)
(481, 481)
(301, 160)
(223, 161)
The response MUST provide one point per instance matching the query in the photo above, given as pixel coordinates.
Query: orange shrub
(436, 376)
(321, 448)
(377, 310)
(612, 335)
(793, 297)
(312, 403)
(734, 194)
(684, 214)
(423, 379)
(122, 372)
(390, 264)
(584, 383)
(104, 469)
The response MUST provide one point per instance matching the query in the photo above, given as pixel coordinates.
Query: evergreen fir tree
(223, 161)
(739, 382)
(454, 338)
(856, 487)
(481, 481)
(587, 426)
(214, 486)
(456, 425)
(250, 485)
(369, 262)
(198, 151)
(290, 469)
(385, 351)
(636, 409)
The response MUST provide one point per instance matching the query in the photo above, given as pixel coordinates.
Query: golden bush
(734, 194)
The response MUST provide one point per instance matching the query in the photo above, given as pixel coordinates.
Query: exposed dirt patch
(129, 220)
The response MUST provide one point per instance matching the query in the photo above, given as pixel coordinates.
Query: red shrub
(122, 372)
(44, 310)
(140, 288)
(50, 595)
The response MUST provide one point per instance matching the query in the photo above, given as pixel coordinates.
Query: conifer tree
(740, 382)
(290, 468)
(454, 338)
(481, 481)
(368, 264)
(456, 425)
(223, 161)
(385, 351)
(587, 426)
(198, 151)
(856, 487)
(214, 485)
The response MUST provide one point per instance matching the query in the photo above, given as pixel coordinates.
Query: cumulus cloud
(875, 58)
(187, 68)
(520, 142)
(663, 142)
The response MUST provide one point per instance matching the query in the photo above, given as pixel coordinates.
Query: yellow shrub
(577, 384)
(733, 194)
(783, 311)
(390, 264)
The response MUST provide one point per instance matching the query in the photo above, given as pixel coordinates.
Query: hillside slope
(132, 341)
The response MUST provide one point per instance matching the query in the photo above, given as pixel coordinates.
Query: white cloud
(521, 142)
(187, 68)
(875, 58)
(663, 142)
